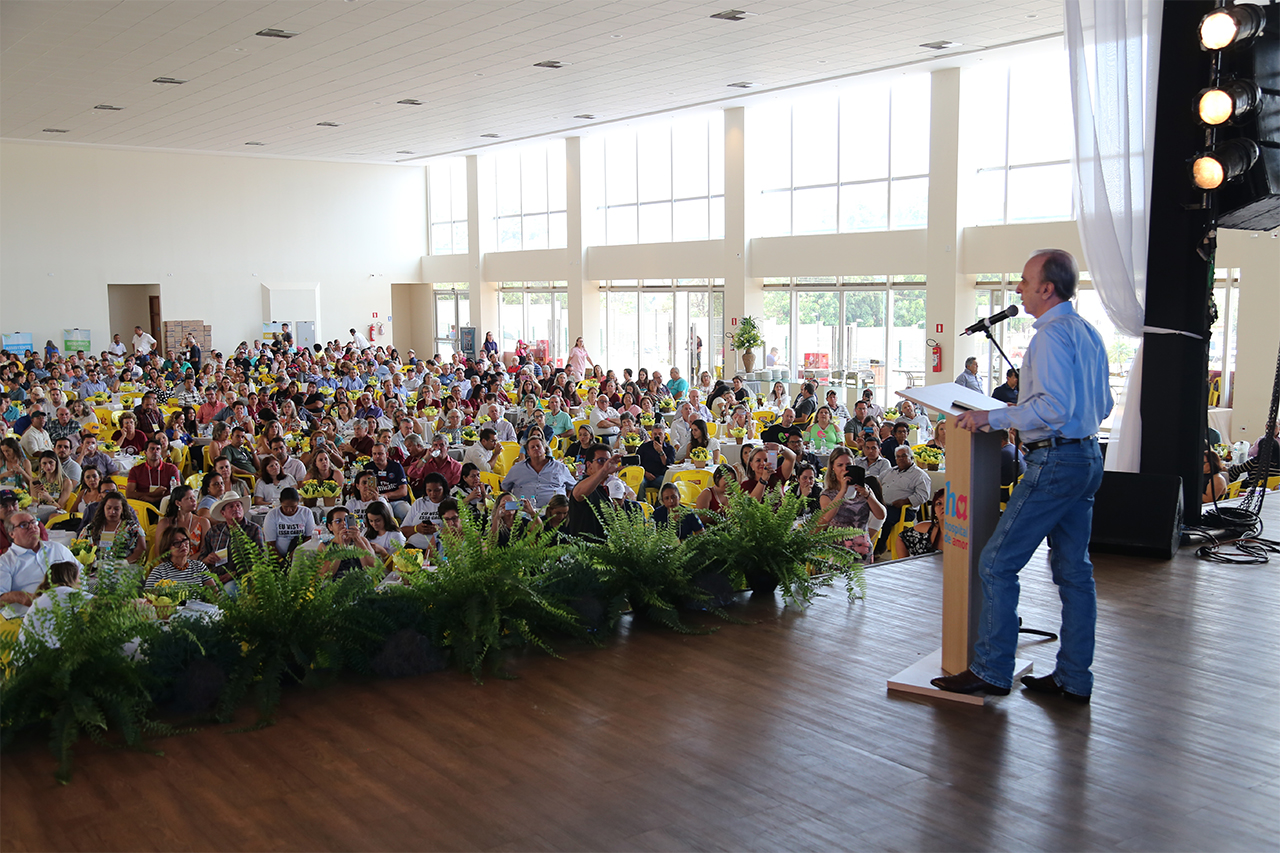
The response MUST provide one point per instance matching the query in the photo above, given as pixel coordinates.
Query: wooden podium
(972, 510)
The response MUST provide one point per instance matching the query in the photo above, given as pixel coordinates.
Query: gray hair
(970, 360)
(413, 439)
(1060, 270)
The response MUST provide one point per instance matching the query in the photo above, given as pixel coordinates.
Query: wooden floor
(774, 736)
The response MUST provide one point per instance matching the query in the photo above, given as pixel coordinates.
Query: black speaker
(1137, 514)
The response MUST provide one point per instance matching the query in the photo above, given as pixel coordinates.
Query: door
(153, 307)
(304, 335)
(453, 311)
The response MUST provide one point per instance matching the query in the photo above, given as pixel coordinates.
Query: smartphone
(855, 475)
(352, 524)
(772, 456)
(510, 506)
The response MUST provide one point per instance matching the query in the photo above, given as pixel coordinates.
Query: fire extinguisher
(370, 331)
(936, 351)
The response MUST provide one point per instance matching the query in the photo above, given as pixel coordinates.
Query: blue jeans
(1054, 499)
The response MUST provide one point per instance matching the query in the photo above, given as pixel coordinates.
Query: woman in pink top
(578, 359)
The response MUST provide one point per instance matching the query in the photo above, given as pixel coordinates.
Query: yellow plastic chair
(104, 414)
(763, 419)
(701, 477)
(713, 429)
(1273, 483)
(195, 480)
(579, 424)
(148, 517)
(646, 509)
(492, 480)
(689, 492)
(116, 416)
(1215, 392)
(1233, 489)
(121, 481)
(633, 476)
(180, 456)
(510, 450)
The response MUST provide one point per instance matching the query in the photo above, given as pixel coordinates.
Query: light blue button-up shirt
(1063, 387)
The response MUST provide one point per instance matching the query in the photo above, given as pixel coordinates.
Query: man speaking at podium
(1064, 395)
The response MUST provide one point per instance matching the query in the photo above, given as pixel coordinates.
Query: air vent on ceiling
(108, 107)
(54, 130)
(273, 33)
(548, 63)
(327, 124)
(489, 136)
(255, 143)
(743, 85)
(410, 102)
(940, 45)
(171, 80)
(732, 15)
(586, 116)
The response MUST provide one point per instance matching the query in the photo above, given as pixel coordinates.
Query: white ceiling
(471, 63)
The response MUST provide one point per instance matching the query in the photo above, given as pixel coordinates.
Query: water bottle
(173, 484)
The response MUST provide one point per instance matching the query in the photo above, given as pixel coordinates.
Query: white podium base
(916, 678)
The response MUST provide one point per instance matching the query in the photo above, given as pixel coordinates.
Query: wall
(211, 230)
(1258, 328)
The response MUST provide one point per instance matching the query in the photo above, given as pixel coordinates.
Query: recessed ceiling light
(237, 50)
(54, 130)
(273, 33)
(586, 116)
(822, 62)
(255, 143)
(170, 80)
(1032, 17)
(742, 85)
(404, 152)
(479, 73)
(732, 15)
(940, 45)
(489, 136)
(616, 36)
(108, 107)
(548, 63)
(412, 102)
(327, 124)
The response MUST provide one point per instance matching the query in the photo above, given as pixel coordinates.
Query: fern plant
(643, 562)
(291, 622)
(85, 683)
(766, 542)
(485, 598)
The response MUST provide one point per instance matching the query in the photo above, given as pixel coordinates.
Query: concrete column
(951, 299)
(484, 295)
(584, 294)
(743, 295)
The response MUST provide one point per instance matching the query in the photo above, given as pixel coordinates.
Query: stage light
(1228, 102)
(1231, 25)
(1230, 160)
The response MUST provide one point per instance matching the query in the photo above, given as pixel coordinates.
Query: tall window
(447, 201)
(661, 183)
(1015, 141)
(661, 323)
(864, 331)
(526, 186)
(536, 312)
(857, 160)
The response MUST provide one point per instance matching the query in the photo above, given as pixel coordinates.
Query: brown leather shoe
(967, 682)
(1049, 686)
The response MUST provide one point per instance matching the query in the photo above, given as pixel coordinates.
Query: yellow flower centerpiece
(646, 419)
(406, 561)
(312, 491)
(430, 412)
(24, 499)
(666, 404)
(700, 457)
(632, 440)
(928, 457)
(470, 435)
(84, 551)
(739, 433)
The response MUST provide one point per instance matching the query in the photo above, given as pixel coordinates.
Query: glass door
(453, 311)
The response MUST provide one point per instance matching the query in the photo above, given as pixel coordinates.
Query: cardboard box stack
(176, 331)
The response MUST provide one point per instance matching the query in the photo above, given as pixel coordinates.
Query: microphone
(983, 325)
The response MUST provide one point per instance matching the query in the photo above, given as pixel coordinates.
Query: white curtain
(1113, 48)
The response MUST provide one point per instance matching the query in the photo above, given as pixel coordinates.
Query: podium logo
(957, 505)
